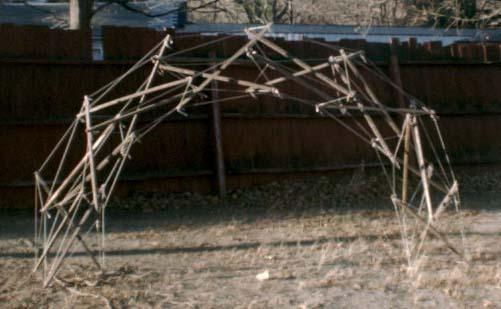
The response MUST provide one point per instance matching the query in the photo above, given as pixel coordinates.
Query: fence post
(217, 136)
(395, 72)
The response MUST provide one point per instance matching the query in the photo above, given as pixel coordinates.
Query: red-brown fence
(263, 140)
(39, 42)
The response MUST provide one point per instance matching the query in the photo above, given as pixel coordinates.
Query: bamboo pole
(301, 64)
(48, 245)
(336, 86)
(371, 94)
(313, 69)
(136, 95)
(440, 209)
(405, 171)
(69, 244)
(96, 147)
(422, 167)
(224, 65)
(92, 167)
(220, 78)
(431, 227)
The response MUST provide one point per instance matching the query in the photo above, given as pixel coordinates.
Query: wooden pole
(405, 176)
(395, 73)
(69, 244)
(369, 92)
(422, 167)
(379, 138)
(432, 228)
(218, 77)
(218, 138)
(90, 143)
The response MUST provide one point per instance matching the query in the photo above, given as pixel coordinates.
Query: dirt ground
(169, 254)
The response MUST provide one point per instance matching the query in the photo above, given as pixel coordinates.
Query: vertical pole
(422, 167)
(395, 72)
(218, 139)
(92, 167)
(36, 217)
(93, 178)
(45, 264)
(405, 176)
(485, 54)
(40, 219)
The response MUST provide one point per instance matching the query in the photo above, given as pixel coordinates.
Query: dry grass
(208, 257)
(314, 260)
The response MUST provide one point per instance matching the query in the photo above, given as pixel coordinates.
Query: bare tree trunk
(80, 13)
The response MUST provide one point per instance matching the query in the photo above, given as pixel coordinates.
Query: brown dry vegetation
(186, 250)
(353, 12)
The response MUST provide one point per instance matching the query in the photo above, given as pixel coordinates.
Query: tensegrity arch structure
(72, 195)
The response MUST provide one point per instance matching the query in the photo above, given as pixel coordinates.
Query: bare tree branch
(51, 13)
(99, 8)
(281, 14)
(125, 4)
